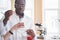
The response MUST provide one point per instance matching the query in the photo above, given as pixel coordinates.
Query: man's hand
(17, 26)
(30, 32)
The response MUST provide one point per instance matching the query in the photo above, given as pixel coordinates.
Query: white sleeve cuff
(1, 38)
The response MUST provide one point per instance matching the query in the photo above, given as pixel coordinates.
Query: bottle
(29, 37)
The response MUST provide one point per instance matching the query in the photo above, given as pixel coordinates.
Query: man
(19, 24)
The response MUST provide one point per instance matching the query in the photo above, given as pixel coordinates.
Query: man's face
(19, 6)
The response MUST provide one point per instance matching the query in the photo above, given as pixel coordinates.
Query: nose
(21, 7)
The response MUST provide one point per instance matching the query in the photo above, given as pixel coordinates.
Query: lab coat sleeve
(1, 37)
(2, 31)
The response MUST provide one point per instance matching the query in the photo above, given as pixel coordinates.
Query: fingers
(30, 32)
(20, 24)
(17, 26)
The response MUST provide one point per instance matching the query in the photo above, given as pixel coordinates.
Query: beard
(20, 14)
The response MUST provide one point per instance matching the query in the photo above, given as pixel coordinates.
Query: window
(5, 5)
(51, 4)
(51, 17)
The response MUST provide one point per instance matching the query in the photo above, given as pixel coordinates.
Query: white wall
(5, 5)
(51, 16)
(29, 8)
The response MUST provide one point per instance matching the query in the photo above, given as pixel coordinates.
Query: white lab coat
(19, 34)
(2, 30)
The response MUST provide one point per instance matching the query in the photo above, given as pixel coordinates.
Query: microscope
(42, 31)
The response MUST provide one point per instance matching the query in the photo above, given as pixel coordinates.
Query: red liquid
(29, 38)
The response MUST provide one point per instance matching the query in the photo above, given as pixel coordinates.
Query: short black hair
(18, 1)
